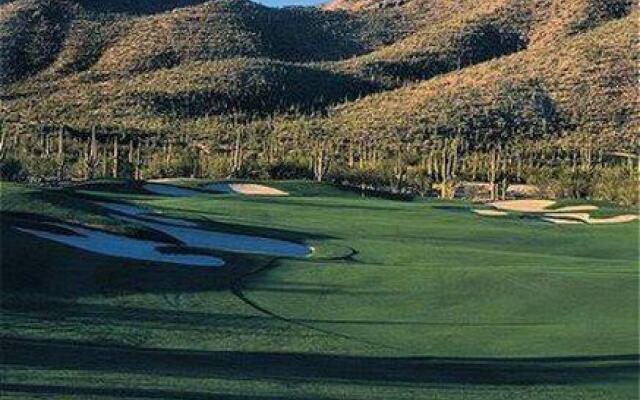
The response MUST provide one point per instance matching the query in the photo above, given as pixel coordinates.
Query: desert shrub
(11, 169)
(574, 183)
(216, 167)
(619, 185)
(29, 167)
(290, 169)
(561, 182)
(180, 164)
(420, 181)
(77, 170)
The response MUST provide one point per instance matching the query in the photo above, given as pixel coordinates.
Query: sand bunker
(226, 241)
(560, 218)
(184, 231)
(620, 219)
(538, 206)
(171, 180)
(247, 189)
(561, 221)
(563, 215)
(491, 213)
(588, 219)
(527, 206)
(574, 209)
(121, 246)
(582, 217)
(135, 211)
(168, 190)
(127, 209)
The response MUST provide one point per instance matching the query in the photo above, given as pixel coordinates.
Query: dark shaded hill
(68, 36)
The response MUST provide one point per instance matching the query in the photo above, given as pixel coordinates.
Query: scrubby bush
(11, 169)
(178, 165)
(619, 185)
(216, 167)
(290, 169)
(32, 168)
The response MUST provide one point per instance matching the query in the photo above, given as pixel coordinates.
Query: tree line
(573, 165)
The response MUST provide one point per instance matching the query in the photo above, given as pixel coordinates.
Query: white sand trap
(539, 206)
(171, 180)
(127, 209)
(227, 241)
(491, 213)
(561, 221)
(247, 189)
(575, 209)
(529, 206)
(250, 189)
(121, 246)
(168, 190)
(620, 219)
(586, 218)
(582, 217)
(135, 211)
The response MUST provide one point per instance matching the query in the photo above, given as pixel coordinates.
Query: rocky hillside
(378, 66)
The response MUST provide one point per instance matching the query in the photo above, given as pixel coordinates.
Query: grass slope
(435, 303)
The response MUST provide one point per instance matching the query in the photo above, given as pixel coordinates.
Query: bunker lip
(247, 189)
(235, 243)
(579, 214)
(562, 221)
(140, 212)
(539, 206)
(186, 232)
(171, 180)
(620, 219)
(108, 244)
(528, 206)
(491, 213)
(582, 217)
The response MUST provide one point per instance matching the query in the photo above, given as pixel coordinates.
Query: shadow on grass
(90, 356)
(83, 202)
(83, 273)
(39, 266)
(365, 206)
(129, 393)
(454, 209)
(129, 324)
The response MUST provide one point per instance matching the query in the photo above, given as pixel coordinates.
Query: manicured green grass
(399, 300)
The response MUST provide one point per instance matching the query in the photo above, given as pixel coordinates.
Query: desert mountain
(360, 65)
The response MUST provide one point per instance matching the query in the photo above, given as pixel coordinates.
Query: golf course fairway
(398, 300)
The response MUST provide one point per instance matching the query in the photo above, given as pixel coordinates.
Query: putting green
(412, 300)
